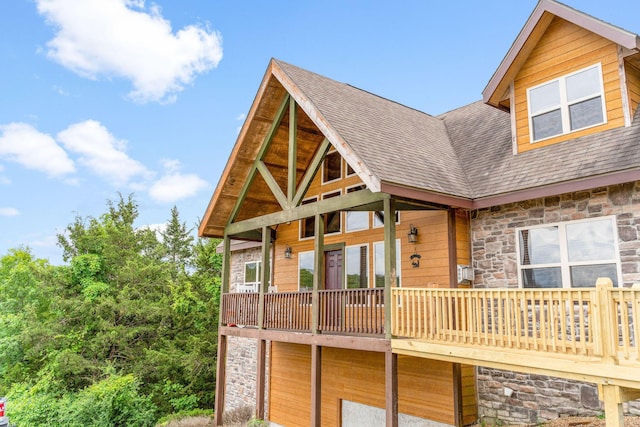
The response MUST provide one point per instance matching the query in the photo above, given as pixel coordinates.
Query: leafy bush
(112, 402)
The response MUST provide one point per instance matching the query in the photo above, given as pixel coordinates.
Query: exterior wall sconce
(413, 234)
(287, 252)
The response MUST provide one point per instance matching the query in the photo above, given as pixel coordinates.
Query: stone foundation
(242, 353)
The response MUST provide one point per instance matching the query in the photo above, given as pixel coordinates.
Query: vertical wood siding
(565, 48)
(425, 387)
(432, 243)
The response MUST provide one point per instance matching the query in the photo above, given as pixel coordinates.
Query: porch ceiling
(259, 199)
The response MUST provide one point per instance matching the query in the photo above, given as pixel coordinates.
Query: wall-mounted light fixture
(413, 234)
(287, 252)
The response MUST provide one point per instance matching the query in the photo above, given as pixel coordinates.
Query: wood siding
(432, 243)
(633, 86)
(425, 387)
(565, 48)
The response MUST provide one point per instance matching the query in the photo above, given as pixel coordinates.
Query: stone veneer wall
(242, 353)
(538, 398)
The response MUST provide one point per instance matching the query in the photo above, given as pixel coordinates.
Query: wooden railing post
(265, 273)
(606, 330)
(318, 273)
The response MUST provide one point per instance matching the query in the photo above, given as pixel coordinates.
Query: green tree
(123, 315)
(178, 243)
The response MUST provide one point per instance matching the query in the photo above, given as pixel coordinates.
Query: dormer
(566, 75)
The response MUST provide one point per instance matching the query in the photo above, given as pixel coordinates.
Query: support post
(265, 274)
(221, 368)
(391, 388)
(260, 379)
(318, 276)
(610, 394)
(390, 277)
(316, 385)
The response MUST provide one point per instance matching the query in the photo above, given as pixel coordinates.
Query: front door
(333, 281)
(333, 270)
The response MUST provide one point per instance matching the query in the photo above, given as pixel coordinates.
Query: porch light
(413, 234)
(287, 252)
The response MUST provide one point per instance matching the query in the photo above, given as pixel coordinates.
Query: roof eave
(206, 230)
(555, 189)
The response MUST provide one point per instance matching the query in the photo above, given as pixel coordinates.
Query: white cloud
(21, 143)
(104, 38)
(174, 186)
(9, 212)
(102, 153)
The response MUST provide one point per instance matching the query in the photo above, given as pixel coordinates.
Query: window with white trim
(378, 261)
(332, 220)
(308, 225)
(251, 277)
(566, 104)
(357, 266)
(378, 218)
(356, 220)
(568, 254)
(306, 262)
(331, 167)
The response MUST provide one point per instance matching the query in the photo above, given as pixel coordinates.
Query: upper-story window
(569, 103)
(357, 220)
(568, 254)
(308, 225)
(251, 277)
(331, 167)
(332, 220)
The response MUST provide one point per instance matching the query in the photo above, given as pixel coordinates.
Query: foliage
(128, 318)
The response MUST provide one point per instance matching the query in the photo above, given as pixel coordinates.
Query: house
(405, 268)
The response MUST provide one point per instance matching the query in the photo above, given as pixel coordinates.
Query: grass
(239, 417)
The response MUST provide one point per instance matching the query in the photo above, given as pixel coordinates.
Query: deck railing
(240, 309)
(357, 311)
(288, 310)
(348, 311)
(584, 322)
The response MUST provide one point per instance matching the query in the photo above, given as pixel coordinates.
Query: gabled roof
(390, 146)
(404, 152)
(531, 33)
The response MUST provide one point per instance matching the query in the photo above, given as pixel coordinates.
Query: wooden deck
(588, 334)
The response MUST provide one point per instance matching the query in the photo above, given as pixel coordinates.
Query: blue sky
(100, 97)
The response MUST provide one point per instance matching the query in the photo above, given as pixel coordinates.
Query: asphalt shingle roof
(399, 144)
(466, 152)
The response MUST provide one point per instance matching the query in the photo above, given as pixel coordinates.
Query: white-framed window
(356, 220)
(378, 262)
(350, 171)
(568, 254)
(378, 219)
(306, 261)
(331, 167)
(308, 225)
(569, 103)
(357, 266)
(332, 220)
(251, 281)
